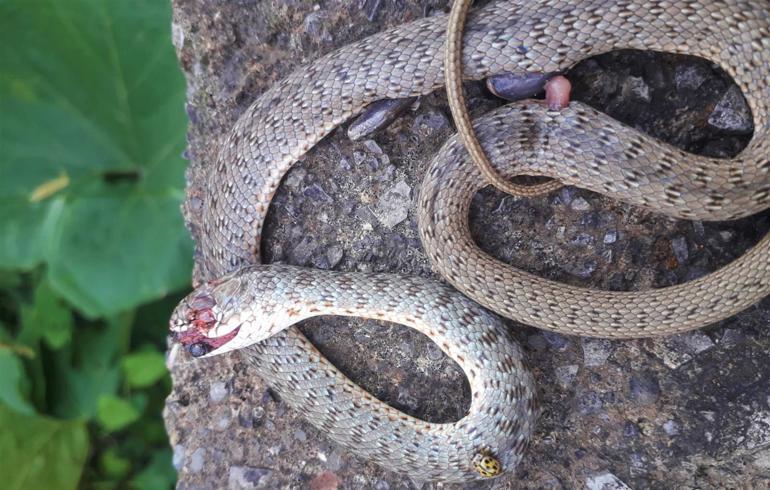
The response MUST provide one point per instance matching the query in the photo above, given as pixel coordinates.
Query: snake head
(205, 322)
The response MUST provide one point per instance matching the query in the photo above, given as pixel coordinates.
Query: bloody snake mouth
(198, 344)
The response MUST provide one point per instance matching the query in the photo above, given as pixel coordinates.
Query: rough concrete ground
(690, 411)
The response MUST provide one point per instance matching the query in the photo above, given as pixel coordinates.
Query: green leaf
(89, 368)
(48, 318)
(113, 464)
(144, 368)
(13, 383)
(9, 280)
(90, 174)
(115, 413)
(159, 474)
(39, 452)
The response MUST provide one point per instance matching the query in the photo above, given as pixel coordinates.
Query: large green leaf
(91, 133)
(14, 386)
(46, 318)
(89, 368)
(39, 452)
(12, 381)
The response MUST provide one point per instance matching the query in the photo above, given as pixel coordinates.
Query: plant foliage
(92, 243)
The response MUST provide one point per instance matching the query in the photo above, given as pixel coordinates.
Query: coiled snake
(243, 303)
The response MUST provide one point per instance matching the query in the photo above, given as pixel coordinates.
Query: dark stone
(644, 388)
(556, 340)
(630, 429)
(589, 403)
(371, 8)
(731, 113)
(377, 116)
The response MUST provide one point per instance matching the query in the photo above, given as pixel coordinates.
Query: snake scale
(243, 305)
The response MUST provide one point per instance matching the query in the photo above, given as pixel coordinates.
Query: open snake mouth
(195, 325)
(199, 345)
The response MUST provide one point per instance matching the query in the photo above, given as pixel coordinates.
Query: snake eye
(198, 349)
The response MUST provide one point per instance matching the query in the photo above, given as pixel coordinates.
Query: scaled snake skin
(253, 306)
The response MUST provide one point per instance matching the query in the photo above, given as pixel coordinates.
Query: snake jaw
(198, 324)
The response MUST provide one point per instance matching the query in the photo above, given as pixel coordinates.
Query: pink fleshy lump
(557, 91)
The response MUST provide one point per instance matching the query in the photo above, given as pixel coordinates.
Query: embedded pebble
(731, 114)
(373, 147)
(589, 403)
(393, 205)
(223, 422)
(580, 204)
(566, 375)
(381, 485)
(407, 399)
(733, 336)
(679, 246)
(583, 239)
(251, 417)
(610, 237)
(320, 262)
(197, 459)
(334, 461)
(630, 429)
(217, 391)
(315, 26)
(359, 157)
(303, 251)
(677, 350)
(690, 77)
(726, 235)
(762, 460)
(697, 341)
(758, 432)
(644, 388)
(434, 353)
(583, 269)
(606, 481)
(555, 340)
(637, 87)
(177, 459)
(334, 255)
(317, 193)
(671, 427)
(295, 177)
(637, 464)
(344, 164)
(596, 351)
(246, 477)
(371, 8)
(432, 121)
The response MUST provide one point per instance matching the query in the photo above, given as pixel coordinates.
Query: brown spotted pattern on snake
(591, 151)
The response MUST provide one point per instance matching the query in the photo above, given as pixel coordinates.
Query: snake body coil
(591, 151)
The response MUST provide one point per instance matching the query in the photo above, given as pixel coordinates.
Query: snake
(241, 304)
(456, 99)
